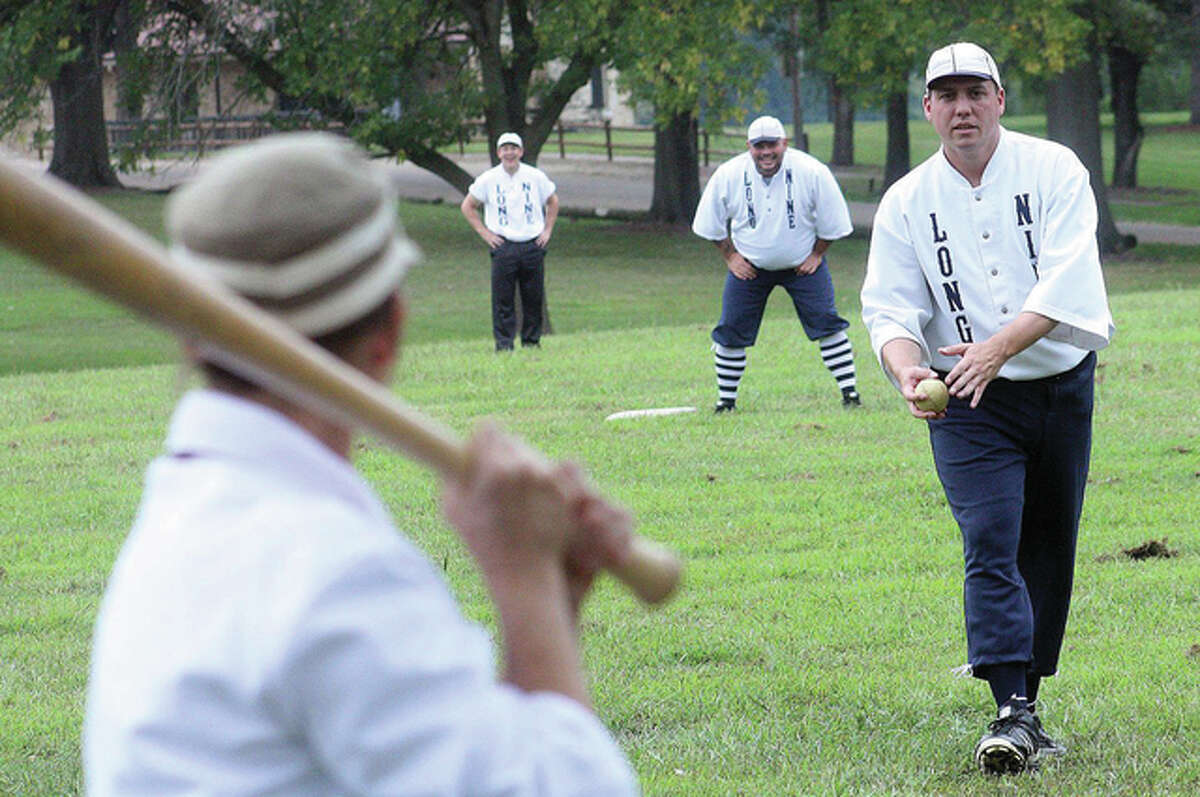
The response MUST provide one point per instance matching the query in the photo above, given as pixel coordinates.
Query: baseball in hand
(937, 395)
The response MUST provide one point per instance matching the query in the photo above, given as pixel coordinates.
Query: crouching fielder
(984, 270)
(266, 629)
(773, 212)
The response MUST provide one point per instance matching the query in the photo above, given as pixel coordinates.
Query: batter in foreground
(266, 629)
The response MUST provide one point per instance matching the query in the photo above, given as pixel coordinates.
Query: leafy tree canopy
(403, 76)
(875, 45)
(36, 38)
(688, 58)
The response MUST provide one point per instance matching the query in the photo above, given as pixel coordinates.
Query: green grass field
(810, 649)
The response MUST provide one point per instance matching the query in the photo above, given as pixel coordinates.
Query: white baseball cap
(765, 128)
(962, 58)
(509, 138)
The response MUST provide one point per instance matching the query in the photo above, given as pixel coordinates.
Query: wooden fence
(209, 133)
(205, 133)
(578, 137)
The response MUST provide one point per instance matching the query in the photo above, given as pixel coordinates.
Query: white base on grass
(643, 413)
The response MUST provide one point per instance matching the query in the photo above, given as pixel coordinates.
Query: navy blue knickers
(1014, 471)
(743, 303)
(517, 265)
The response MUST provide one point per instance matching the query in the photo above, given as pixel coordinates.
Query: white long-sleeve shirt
(951, 263)
(267, 631)
(773, 223)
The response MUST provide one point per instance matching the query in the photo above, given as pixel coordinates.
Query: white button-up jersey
(513, 204)
(774, 224)
(267, 631)
(951, 263)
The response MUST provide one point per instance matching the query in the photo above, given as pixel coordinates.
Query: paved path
(596, 185)
(593, 184)
(586, 184)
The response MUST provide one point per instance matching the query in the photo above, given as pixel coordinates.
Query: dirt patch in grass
(1154, 549)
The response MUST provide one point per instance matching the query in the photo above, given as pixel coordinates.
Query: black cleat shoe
(1046, 746)
(850, 398)
(725, 405)
(1011, 743)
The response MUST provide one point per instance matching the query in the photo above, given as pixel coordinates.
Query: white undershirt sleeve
(895, 295)
(833, 215)
(1070, 288)
(712, 214)
(546, 186)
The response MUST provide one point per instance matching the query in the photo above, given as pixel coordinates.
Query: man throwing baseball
(266, 630)
(984, 270)
(520, 207)
(773, 212)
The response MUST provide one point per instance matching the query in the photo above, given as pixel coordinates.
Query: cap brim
(980, 75)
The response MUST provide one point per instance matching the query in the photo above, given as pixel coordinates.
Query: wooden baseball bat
(64, 229)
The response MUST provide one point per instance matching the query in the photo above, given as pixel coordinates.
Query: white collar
(214, 424)
(989, 168)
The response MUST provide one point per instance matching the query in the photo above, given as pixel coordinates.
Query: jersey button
(995, 271)
(1004, 310)
(986, 235)
(979, 197)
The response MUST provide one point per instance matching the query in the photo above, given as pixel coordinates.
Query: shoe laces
(1006, 723)
(1017, 725)
(1039, 733)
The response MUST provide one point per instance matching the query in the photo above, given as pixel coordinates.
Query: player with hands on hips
(984, 270)
(773, 212)
(520, 207)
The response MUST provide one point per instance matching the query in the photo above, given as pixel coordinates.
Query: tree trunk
(676, 171)
(433, 161)
(80, 138)
(484, 22)
(1073, 119)
(130, 91)
(1194, 99)
(1123, 69)
(791, 68)
(552, 103)
(897, 138)
(506, 73)
(841, 111)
